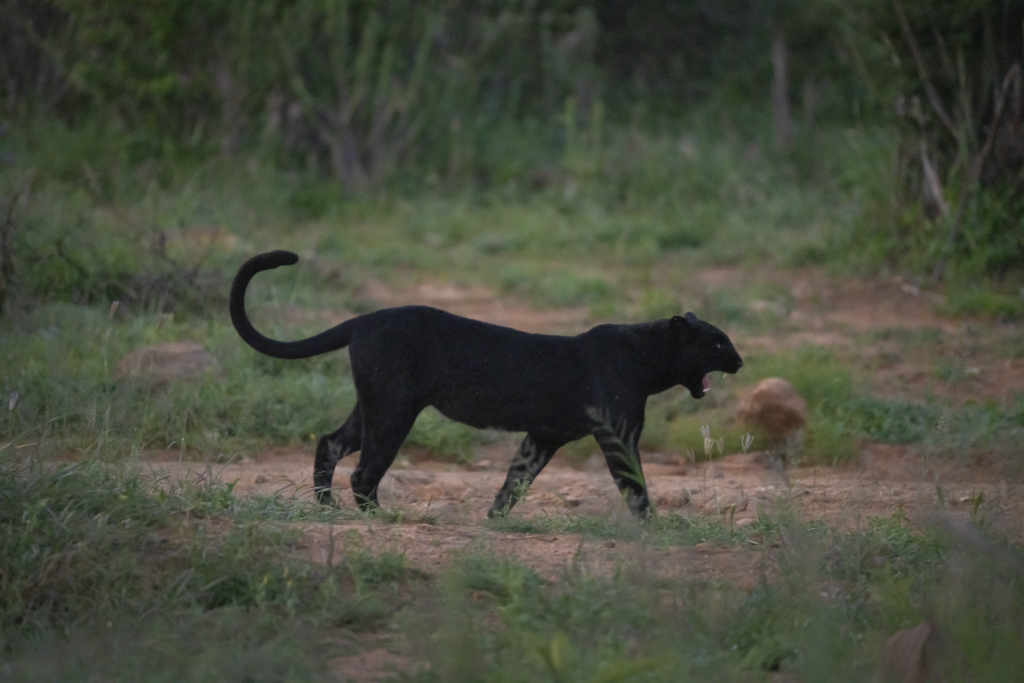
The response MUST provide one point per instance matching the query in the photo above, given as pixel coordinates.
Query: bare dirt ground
(454, 500)
(445, 505)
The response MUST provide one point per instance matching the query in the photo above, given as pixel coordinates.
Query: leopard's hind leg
(534, 453)
(386, 424)
(333, 447)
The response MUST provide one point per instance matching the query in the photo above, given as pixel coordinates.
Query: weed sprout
(746, 440)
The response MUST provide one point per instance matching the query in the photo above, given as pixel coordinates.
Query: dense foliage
(403, 95)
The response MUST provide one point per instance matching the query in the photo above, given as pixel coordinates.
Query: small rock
(571, 497)
(672, 499)
(413, 477)
(574, 494)
(759, 306)
(740, 502)
(912, 290)
(909, 656)
(773, 407)
(379, 664)
(781, 676)
(724, 503)
(166, 363)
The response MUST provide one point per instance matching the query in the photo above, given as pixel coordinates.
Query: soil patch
(888, 480)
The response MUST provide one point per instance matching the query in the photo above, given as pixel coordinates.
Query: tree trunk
(780, 94)
(231, 93)
(6, 250)
(810, 104)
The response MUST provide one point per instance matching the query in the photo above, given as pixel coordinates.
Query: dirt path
(888, 480)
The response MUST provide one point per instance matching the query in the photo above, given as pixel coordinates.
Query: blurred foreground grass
(108, 573)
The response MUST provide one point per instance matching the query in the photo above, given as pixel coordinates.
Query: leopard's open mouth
(705, 387)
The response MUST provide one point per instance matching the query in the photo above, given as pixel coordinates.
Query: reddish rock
(166, 363)
(910, 656)
(774, 408)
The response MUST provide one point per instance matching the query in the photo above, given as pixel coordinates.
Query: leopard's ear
(684, 328)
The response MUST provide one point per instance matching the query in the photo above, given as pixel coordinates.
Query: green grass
(61, 359)
(867, 583)
(108, 574)
(842, 414)
(989, 302)
(445, 439)
(86, 540)
(221, 645)
(675, 422)
(618, 231)
(662, 531)
(100, 566)
(61, 363)
(556, 290)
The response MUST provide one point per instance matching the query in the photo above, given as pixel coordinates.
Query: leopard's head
(702, 349)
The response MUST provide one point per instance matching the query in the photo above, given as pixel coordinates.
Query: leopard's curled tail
(337, 337)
